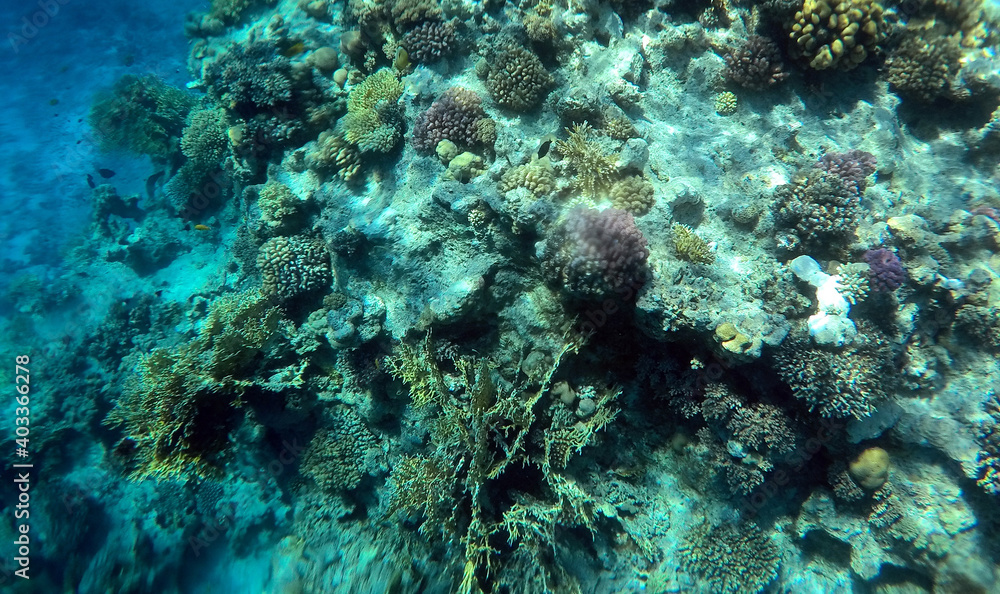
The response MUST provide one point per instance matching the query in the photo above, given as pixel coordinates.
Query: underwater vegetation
(547, 296)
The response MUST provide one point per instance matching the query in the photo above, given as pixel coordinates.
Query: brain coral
(517, 80)
(836, 34)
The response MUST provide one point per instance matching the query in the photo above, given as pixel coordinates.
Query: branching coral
(293, 266)
(430, 41)
(457, 116)
(988, 459)
(756, 65)
(537, 177)
(634, 194)
(334, 154)
(820, 210)
(925, 69)
(596, 254)
(374, 120)
(593, 168)
(205, 140)
(278, 205)
(836, 384)
(479, 430)
(690, 247)
(335, 457)
(731, 558)
(250, 78)
(836, 33)
(517, 79)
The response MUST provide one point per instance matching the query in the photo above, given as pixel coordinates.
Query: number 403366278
(23, 387)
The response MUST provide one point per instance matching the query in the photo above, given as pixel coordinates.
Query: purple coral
(756, 65)
(851, 168)
(455, 116)
(886, 272)
(430, 41)
(600, 253)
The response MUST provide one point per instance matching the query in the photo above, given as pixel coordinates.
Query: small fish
(106, 173)
(201, 227)
(295, 50)
(53, 102)
(159, 293)
(187, 227)
(90, 181)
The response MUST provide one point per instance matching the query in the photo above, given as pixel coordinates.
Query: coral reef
(457, 116)
(373, 122)
(293, 266)
(142, 115)
(731, 558)
(634, 194)
(430, 41)
(836, 34)
(755, 65)
(593, 168)
(885, 270)
(925, 69)
(821, 211)
(595, 254)
(848, 383)
(250, 78)
(517, 80)
(851, 168)
(690, 247)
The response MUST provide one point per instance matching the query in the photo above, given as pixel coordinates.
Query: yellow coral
(690, 247)
(372, 112)
(634, 194)
(594, 169)
(836, 34)
(537, 177)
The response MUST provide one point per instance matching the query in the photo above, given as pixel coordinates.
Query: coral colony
(541, 296)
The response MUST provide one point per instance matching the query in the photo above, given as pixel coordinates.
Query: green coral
(177, 410)
(731, 558)
(278, 205)
(593, 168)
(205, 140)
(690, 247)
(836, 33)
(142, 115)
(373, 122)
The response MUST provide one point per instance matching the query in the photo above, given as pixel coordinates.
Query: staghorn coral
(595, 254)
(517, 79)
(731, 558)
(537, 177)
(293, 266)
(925, 69)
(430, 41)
(250, 78)
(374, 120)
(594, 170)
(205, 140)
(689, 247)
(820, 210)
(886, 272)
(634, 194)
(335, 457)
(836, 33)
(142, 115)
(851, 168)
(457, 116)
(756, 64)
(840, 384)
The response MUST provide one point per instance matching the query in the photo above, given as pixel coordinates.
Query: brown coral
(634, 194)
(517, 79)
